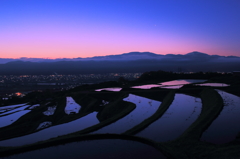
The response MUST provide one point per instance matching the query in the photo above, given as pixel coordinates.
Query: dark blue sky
(85, 28)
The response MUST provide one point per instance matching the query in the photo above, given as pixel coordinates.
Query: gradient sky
(86, 28)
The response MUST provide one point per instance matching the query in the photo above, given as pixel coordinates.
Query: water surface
(144, 108)
(11, 107)
(213, 84)
(172, 87)
(13, 110)
(227, 125)
(182, 82)
(11, 118)
(71, 106)
(117, 89)
(95, 149)
(54, 131)
(50, 111)
(175, 84)
(183, 111)
(148, 86)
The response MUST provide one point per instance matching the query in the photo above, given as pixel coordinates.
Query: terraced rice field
(111, 121)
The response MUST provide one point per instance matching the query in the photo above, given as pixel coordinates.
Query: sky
(87, 28)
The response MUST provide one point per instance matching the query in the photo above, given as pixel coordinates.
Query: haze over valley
(133, 62)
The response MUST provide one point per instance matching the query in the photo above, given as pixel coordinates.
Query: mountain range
(127, 62)
(129, 57)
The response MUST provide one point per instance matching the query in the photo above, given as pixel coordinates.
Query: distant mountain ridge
(127, 57)
(123, 63)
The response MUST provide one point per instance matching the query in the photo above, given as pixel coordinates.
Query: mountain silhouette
(127, 62)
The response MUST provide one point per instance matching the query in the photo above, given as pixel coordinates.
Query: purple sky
(86, 28)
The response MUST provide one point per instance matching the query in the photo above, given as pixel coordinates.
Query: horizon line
(46, 58)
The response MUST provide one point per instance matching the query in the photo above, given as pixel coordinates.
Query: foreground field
(170, 120)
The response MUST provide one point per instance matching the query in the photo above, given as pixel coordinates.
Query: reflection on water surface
(213, 84)
(148, 86)
(183, 111)
(96, 149)
(109, 89)
(227, 125)
(182, 82)
(53, 131)
(144, 108)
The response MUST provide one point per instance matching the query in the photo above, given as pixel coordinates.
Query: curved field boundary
(161, 110)
(212, 105)
(22, 149)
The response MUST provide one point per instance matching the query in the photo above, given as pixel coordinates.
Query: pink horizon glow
(72, 29)
(87, 41)
(12, 55)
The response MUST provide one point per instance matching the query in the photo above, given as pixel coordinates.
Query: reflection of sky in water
(148, 86)
(183, 111)
(227, 125)
(176, 84)
(95, 149)
(53, 131)
(10, 107)
(109, 89)
(44, 125)
(9, 119)
(34, 106)
(71, 106)
(172, 87)
(144, 108)
(182, 82)
(14, 110)
(213, 84)
(50, 111)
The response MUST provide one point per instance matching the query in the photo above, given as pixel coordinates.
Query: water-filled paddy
(109, 89)
(213, 84)
(53, 131)
(183, 111)
(181, 82)
(227, 125)
(175, 84)
(172, 87)
(148, 86)
(144, 108)
(93, 149)
(11, 118)
(12, 108)
(12, 113)
(72, 106)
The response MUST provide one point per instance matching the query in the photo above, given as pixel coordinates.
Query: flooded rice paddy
(183, 111)
(182, 82)
(105, 148)
(53, 131)
(109, 89)
(144, 108)
(11, 118)
(148, 86)
(227, 125)
(213, 84)
(181, 114)
(71, 106)
(175, 84)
